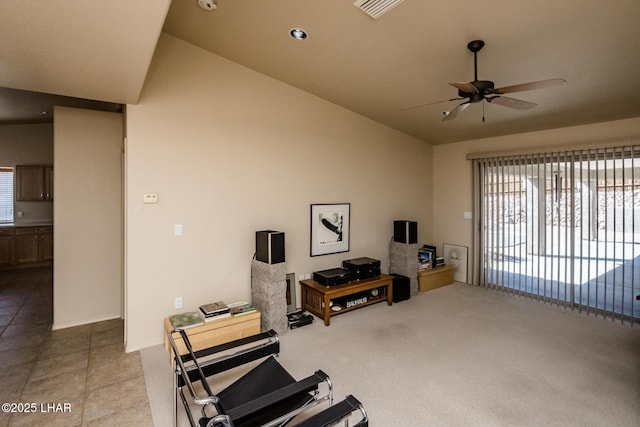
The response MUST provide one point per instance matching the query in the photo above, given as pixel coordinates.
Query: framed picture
(456, 257)
(330, 228)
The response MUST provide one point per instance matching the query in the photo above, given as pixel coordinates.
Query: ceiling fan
(484, 90)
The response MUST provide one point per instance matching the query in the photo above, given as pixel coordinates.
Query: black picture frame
(330, 228)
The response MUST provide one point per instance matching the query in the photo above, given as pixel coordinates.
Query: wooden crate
(435, 278)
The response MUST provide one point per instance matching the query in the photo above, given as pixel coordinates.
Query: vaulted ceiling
(101, 50)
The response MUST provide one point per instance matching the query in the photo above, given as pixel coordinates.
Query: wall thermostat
(150, 198)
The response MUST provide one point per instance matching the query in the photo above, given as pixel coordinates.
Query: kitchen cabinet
(6, 246)
(34, 244)
(34, 183)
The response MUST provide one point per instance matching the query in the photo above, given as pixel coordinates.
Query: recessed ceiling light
(298, 34)
(43, 113)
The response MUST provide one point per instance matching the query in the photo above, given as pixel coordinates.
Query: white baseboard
(56, 327)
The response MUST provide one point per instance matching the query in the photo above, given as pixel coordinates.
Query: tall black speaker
(405, 231)
(270, 246)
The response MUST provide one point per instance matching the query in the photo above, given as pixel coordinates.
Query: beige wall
(229, 152)
(23, 145)
(452, 172)
(88, 215)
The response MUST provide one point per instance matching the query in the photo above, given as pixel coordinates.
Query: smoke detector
(207, 4)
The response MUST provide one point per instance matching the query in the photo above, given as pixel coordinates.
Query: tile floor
(77, 376)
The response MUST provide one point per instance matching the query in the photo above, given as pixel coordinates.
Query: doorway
(563, 227)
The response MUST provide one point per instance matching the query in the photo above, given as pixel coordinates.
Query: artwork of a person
(454, 259)
(331, 232)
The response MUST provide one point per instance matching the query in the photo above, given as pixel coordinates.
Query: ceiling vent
(376, 8)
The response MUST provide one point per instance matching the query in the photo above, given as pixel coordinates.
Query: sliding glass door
(562, 227)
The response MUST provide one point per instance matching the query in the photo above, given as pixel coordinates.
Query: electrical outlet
(177, 302)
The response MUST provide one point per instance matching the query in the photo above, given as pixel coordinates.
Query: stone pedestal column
(403, 259)
(268, 294)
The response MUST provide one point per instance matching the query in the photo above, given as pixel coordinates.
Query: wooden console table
(316, 298)
(214, 332)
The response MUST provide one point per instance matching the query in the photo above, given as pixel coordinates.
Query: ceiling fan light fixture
(298, 34)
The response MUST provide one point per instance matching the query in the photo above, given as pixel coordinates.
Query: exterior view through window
(563, 227)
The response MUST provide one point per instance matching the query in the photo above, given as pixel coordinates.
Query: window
(563, 227)
(6, 194)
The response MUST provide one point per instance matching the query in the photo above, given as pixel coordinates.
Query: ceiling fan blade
(465, 87)
(453, 113)
(542, 84)
(517, 104)
(430, 103)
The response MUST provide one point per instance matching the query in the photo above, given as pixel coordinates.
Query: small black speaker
(270, 246)
(401, 287)
(405, 231)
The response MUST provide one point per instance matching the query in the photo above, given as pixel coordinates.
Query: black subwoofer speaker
(270, 246)
(405, 231)
(401, 287)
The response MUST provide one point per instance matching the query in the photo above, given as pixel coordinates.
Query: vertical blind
(562, 227)
(6, 194)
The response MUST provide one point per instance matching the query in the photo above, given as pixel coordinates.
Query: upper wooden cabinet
(34, 183)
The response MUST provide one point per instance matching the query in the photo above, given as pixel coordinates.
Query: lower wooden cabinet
(214, 332)
(6, 246)
(33, 245)
(46, 246)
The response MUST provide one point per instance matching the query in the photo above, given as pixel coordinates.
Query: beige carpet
(461, 356)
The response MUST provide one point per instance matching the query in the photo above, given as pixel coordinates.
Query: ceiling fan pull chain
(483, 102)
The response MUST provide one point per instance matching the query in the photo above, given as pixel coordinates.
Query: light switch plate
(177, 230)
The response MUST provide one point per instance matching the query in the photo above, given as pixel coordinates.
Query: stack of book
(186, 320)
(214, 311)
(241, 308)
(426, 257)
(299, 318)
